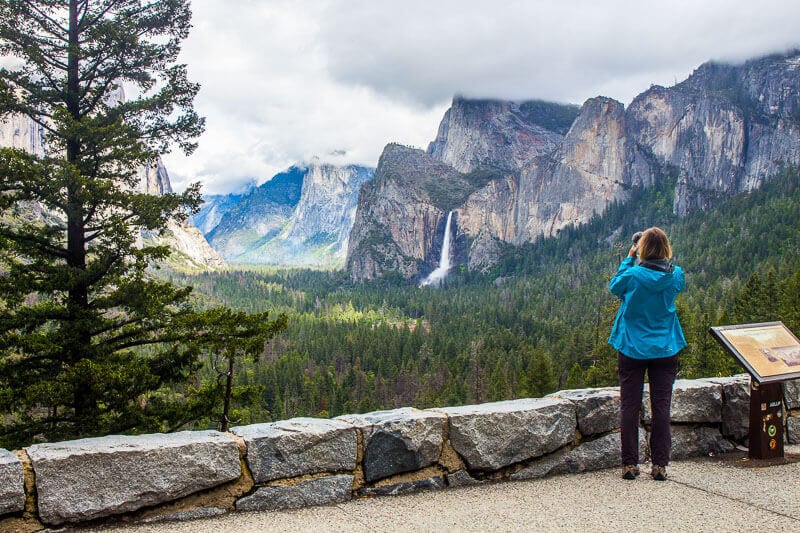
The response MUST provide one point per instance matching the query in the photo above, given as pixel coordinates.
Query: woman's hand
(632, 251)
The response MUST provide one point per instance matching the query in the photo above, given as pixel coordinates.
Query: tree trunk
(225, 422)
(85, 401)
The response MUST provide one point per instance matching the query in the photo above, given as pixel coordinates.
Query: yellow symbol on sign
(772, 444)
(772, 430)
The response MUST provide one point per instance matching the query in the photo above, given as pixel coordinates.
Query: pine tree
(229, 337)
(85, 334)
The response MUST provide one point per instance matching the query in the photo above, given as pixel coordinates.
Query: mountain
(301, 217)
(498, 134)
(258, 216)
(214, 207)
(724, 130)
(480, 148)
(317, 232)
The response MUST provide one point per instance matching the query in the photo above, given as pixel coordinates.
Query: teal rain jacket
(647, 325)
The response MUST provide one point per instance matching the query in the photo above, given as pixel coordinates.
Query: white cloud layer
(286, 80)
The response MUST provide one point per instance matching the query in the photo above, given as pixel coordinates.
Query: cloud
(283, 81)
(554, 49)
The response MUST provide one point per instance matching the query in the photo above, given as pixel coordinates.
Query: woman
(648, 336)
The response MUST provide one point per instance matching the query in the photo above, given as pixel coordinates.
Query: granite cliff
(724, 130)
(504, 135)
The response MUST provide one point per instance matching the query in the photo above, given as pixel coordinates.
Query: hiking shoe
(630, 471)
(659, 473)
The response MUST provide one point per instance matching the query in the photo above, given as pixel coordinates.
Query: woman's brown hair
(654, 244)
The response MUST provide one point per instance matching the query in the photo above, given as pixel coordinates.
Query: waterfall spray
(437, 276)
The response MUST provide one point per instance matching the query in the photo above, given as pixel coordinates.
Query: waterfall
(436, 277)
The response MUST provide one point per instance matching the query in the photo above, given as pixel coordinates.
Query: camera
(636, 237)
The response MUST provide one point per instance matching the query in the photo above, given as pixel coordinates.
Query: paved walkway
(700, 495)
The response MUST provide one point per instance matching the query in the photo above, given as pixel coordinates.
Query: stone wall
(304, 461)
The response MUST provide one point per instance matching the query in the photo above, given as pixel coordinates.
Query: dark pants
(661, 374)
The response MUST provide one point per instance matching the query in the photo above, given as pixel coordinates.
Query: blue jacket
(647, 325)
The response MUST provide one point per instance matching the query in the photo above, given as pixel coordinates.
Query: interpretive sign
(768, 351)
(771, 354)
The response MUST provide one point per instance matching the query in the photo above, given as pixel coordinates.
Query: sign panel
(769, 351)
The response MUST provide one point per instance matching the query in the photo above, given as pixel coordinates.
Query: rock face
(12, 489)
(499, 134)
(495, 435)
(721, 132)
(191, 250)
(214, 207)
(594, 165)
(399, 222)
(92, 478)
(259, 216)
(297, 447)
(21, 132)
(318, 230)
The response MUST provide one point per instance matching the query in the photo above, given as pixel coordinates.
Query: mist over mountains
(512, 177)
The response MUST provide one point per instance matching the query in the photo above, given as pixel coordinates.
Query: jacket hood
(655, 279)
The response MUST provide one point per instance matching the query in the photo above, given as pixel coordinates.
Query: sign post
(770, 353)
(766, 421)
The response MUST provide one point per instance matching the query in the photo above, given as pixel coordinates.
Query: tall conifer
(85, 335)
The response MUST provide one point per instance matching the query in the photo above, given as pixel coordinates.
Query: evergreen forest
(538, 322)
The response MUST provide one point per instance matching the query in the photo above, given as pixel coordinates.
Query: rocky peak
(594, 165)
(401, 213)
(154, 179)
(191, 251)
(498, 134)
(327, 201)
(259, 216)
(317, 231)
(300, 217)
(725, 129)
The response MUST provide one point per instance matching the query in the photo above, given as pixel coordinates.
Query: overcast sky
(287, 80)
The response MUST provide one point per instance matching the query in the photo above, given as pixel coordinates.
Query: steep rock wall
(398, 214)
(499, 134)
(318, 229)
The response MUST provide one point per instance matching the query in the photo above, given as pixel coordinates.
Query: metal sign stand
(766, 420)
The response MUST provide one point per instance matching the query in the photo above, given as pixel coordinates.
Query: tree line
(537, 323)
